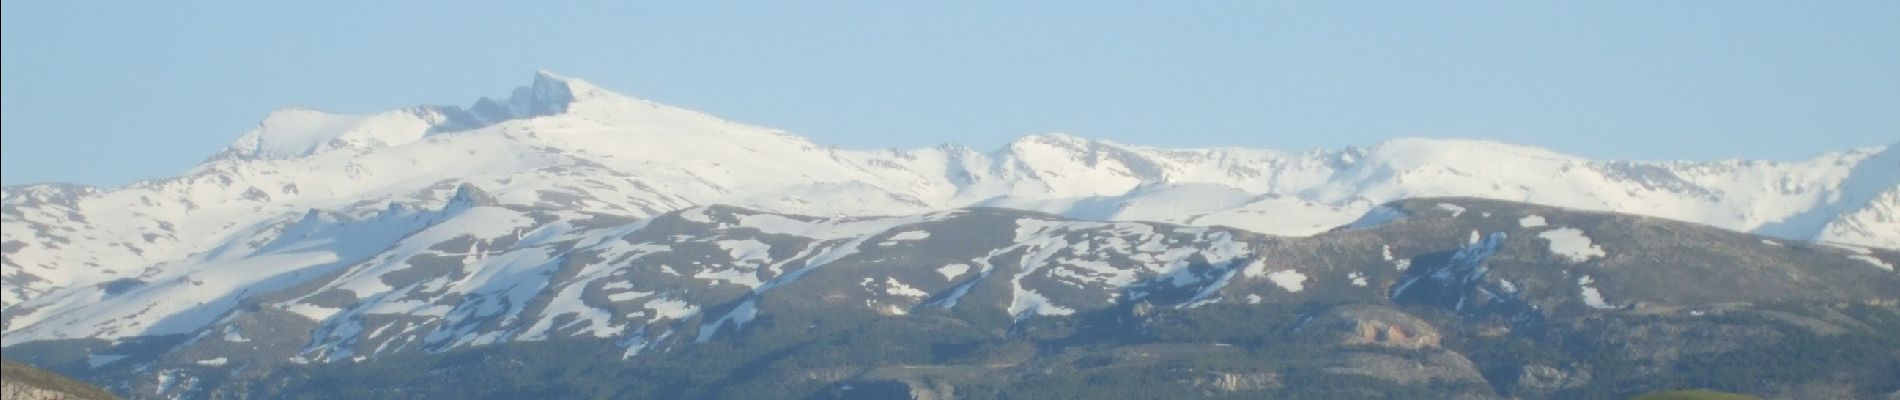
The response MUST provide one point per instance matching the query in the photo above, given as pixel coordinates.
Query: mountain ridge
(564, 143)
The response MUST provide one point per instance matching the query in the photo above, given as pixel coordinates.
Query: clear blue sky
(111, 92)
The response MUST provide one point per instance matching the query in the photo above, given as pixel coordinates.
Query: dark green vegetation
(1693, 395)
(20, 381)
(1469, 304)
(1214, 351)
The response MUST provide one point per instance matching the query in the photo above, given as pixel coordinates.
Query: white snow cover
(1591, 297)
(1571, 244)
(952, 271)
(1531, 221)
(910, 235)
(896, 288)
(1874, 261)
(671, 308)
(207, 235)
(1292, 281)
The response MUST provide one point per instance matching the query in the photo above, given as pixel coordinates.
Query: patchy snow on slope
(1876, 262)
(736, 276)
(567, 305)
(1254, 269)
(952, 271)
(1358, 279)
(628, 296)
(1591, 297)
(897, 288)
(1571, 244)
(1453, 208)
(1292, 281)
(910, 235)
(1531, 221)
(740, 315)
(746, 250)
(670, 308)
(1025, 302)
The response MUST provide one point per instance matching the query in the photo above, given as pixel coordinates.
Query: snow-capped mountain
(569, 213)
(564, 144)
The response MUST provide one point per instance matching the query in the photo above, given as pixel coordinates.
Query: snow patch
(746, 250)
(1025, 302)
(1871, 260)
(312, 311)
(1571, 244)
(1292, 281)
(896, 288)
(952, 271)
(1591, 297)
(1453, 208)
(1532, 221)
(910, 235)
(627, 296)
(1254, 269)
(737, 276)
(670, 308)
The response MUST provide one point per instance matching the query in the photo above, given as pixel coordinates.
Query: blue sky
(110, 92)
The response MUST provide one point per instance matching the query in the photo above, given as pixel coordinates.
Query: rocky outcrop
(1375, 326)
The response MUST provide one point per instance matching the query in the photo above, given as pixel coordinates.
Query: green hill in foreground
(19, 381)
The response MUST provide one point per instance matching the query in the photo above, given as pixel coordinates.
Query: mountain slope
(974, 300)
(564, 144)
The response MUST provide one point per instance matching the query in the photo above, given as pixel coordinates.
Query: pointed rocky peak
(549, 94)
(468, 196)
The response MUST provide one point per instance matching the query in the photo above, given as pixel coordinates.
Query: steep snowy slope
(563, 144)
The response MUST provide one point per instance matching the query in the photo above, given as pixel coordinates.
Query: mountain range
(732, 259)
